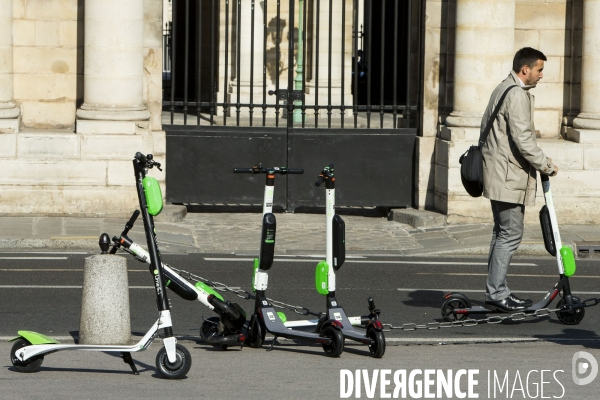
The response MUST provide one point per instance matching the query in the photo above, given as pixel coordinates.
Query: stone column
(321, 35)
(484, 51)
(9, 113)
(113, 61)
(243, 75)
(589, 116)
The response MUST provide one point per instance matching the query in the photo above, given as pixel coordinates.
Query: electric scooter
(173, 361)
(265, 318)
(325, 275)
(456, 306)
(222, 331)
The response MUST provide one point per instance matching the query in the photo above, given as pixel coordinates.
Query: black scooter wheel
(256, 334)
(336, 347)
(451, 304)
(30, 365)
(377, 348)
(570, 317)
(209, 328)
(177, 369)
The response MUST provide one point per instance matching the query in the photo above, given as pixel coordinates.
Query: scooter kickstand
(272, 343)
(128, 360)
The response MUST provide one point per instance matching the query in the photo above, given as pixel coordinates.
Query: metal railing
(370, 89)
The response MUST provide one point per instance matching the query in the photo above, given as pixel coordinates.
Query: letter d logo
(580, 368)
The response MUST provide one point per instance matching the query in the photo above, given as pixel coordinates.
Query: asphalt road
(42, 292)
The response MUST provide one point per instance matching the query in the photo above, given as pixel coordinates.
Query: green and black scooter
(457, 306)
(223, 330)
(265, 318)
(173, 360)
(325, 276)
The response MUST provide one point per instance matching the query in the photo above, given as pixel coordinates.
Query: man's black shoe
(506, 304)
(525, 302)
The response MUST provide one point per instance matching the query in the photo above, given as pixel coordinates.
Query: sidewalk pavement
(367, 233)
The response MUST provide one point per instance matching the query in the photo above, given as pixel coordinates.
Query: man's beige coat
(511, 155)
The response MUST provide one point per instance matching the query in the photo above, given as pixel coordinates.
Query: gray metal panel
(373, 167)
(200, 164)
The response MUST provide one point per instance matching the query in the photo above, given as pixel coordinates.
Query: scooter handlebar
(545, 178)
(243, 170)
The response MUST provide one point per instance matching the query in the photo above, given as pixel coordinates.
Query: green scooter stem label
(322, 278)
(256, 265)
(153, 195)
(568, 259)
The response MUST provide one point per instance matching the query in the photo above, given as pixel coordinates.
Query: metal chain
(494, 319)
(221, 287)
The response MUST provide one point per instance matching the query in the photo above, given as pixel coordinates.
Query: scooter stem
(553, 221)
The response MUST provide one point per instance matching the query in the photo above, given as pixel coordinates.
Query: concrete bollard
(105, 315)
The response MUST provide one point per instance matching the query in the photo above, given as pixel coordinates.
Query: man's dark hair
(527, 56)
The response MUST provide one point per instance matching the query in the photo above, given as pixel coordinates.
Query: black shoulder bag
(471, 168)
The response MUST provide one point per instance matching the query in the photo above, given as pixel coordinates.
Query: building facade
(81, 90)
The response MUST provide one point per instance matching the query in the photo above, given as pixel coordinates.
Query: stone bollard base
(105, 317)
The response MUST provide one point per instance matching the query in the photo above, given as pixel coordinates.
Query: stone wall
(554, 27)
(60, 163)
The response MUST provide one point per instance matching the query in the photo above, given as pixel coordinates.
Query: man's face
(534, 74)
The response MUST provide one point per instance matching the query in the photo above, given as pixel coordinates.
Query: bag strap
(488, 126)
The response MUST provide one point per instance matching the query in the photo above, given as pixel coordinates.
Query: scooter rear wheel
(256, 335)
(452, 304)
(570, 317)
(209, 328)
(336, 347)
(377, 349)
(179, 368)
(30, 365)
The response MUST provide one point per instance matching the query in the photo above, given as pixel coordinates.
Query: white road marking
(58, 287)
(375, 262)
(521, 275)
(33, 258)
(478, 291)
(56, 270)
(44, 252)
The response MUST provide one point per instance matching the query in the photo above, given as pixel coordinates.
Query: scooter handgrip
(371, 304)
(243, 170)
(295, 171)
(134, 216)
(545, 178)
(140, 157)
(319, 181)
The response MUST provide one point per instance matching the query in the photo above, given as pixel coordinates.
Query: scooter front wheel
(256, 335)
(570, 317)
(30, 365)
(336, 347)
(377, 348)
(209, 328)
(177, 369)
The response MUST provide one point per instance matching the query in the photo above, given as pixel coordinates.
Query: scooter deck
(491, 309)
(275, 326)
(348, 330)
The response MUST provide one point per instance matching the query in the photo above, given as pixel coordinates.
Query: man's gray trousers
(506, 237)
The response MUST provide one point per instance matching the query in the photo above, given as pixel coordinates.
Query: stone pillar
(9, 113)
(589, 116)
(105, 316)
(113, 61)
(484, 51)
(321, 35)
(243, 75)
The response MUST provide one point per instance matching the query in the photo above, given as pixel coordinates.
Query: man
(511, 159)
